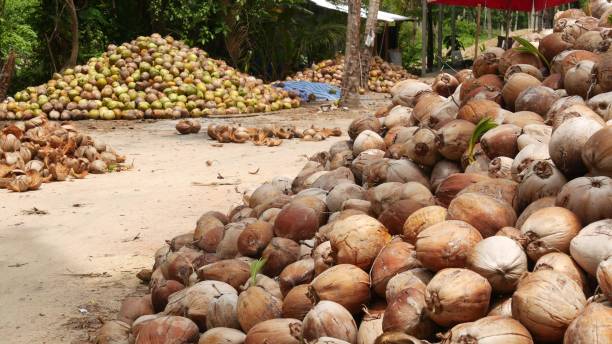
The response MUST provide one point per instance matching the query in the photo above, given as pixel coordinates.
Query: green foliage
(482, 127)
(18, 33)
(527, 47)
(256, 267)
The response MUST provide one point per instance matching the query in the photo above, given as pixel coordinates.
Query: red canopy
(514, 5)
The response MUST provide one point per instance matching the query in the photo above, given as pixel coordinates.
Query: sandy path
(67, 269)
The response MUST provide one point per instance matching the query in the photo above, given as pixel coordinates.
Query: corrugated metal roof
(384, 16)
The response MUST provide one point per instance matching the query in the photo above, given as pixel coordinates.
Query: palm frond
(527, 47)
(482, 127)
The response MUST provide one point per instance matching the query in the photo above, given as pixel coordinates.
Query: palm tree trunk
(74, 27)
(350, 78)
(369, 42)
(6, 73)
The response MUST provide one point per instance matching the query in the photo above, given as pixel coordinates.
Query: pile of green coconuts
(150, 77)
(474, 210)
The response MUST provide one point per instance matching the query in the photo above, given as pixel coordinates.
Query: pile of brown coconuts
(38, 151)
(382, 76)
(476, 210)
(149, 77)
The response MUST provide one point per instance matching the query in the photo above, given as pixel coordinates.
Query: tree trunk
(74, 26)
(6, 74)
(368, 42)
(489, 24)
(350, 78)
(440, 34)
(424, 38)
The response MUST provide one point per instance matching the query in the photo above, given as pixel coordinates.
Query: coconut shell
(417, 278)
(279, 253)
(345, 284)
(134, 307)
(407, 313)
(222, 335)
(563, 263)
(296, 222)
(587, 327)
(222, 312)
(254, 238)
(296, 303)
(592, 245)
(329, 319)
(361, 124)
(457, 295)
(208, 233)
(546, 302)
(281, 331)
(349, 235)
(452, 185)
(567, 142)
(503, 329)
(477, 109)
(550, 230)
(422, 219)
(160, 292)
(300, 272)
(487, 214)
(234, 272)
(256, 305)
(394, 217)
(167, 329)
(452, 139)
(396, 257)
(446, 244)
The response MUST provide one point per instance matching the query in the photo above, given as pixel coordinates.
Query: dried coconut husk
(588, 198)
(553, 44)
(396, 257)
(554, 81)
(222, 335)
(546, 302)
(345, 284)
(540, 179)
(281, 331)
(391, 170)
(452, 185)
(296, 222)
(134, 307)
(487, 214)
(457, 295)
(502, 329)
(537, 133)
(394, 217)
(256, 305)
(416, 278)
(348, 235)
(234, 272)
(513, 56)
(254, 238)
(422, 219)
(514, 234)
(161, 291)
(487, 80)
(563, 263)
(526, 157)
(537, 99)
(222, 312)
(441, 170)
(407, 313)
(500, 260)
(296, 303)
(425, 106)
(279, 253)
(501, 307)
(300, 272)
(590, 326)
(550, 230)
(592, 245)
(452, 139)
(446, 244)
(567, 142)
(113, 332)
(167, 329)
(477, 109)
(323, 259)
(604, 277)
(329, 319)
(421, 148)
(192, 302)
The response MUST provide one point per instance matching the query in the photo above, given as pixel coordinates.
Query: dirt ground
(69, 252)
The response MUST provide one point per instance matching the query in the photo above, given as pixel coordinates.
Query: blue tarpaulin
(304, 89)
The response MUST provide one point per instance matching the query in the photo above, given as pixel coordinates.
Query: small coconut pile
(149, 77)
(383, 75)
(476, 210)
(267, 135)
(37, 151)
